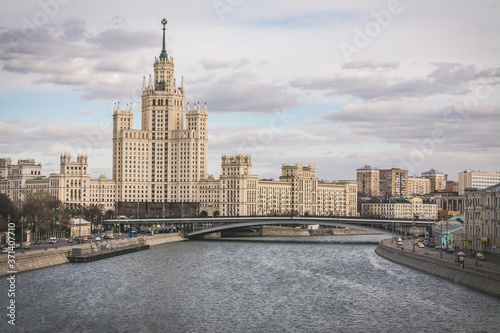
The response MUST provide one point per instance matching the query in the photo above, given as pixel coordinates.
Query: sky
(338, 84)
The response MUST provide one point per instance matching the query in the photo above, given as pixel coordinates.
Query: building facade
(297, 192)
(437, 179)
(16, 178)
(393, 182)
(482, 221)
(477, 180)
(418, 186)
(368, 179)
(399, 208)
(451, 186)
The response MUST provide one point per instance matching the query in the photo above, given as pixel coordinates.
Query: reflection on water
(218, 286)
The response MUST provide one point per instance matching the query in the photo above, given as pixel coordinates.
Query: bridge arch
(241, 223)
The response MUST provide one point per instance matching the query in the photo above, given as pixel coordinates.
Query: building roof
(494, 188)
(457, 218)
(432, 171)
(78, 221)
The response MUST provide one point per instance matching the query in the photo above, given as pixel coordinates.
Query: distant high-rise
(368, 179)
(477, 180)
(393, 182)
(437, 179)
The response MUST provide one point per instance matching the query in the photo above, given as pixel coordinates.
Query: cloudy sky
(340, 84)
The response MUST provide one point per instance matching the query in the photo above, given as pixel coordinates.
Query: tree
(41, 205)
(7, 209)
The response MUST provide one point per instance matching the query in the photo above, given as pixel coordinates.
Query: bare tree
(7, 209)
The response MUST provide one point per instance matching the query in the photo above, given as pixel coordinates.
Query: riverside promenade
(46, 256)
(484, 277)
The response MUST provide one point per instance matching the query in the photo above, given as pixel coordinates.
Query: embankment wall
(472, 277)
(36, 259)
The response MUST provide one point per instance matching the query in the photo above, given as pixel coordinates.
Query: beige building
(16, 178)
(167, 158)
(437, 179)
(482, 221)
(399, 208)
(240, 193)
(79, 227)
(418, 186)
(393, 182)
(477, 180)
(368, 179)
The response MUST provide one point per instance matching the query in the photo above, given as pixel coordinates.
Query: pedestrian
(402, 248)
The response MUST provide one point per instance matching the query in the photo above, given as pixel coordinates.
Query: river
(314, 284)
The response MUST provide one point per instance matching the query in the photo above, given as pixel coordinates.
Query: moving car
(481, 256)
(421, 245)
(53, 240)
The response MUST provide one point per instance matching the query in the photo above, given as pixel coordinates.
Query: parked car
(421, 245)
(481, 256)
(38, 242)
(97, 238)
(53, 240)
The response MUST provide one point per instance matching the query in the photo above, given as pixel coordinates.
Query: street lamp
(22, 233)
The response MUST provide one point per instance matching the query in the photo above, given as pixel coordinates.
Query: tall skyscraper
(167, 158)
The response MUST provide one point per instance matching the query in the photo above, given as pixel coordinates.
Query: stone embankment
(485, 277)
(280, 231)
(49, 256)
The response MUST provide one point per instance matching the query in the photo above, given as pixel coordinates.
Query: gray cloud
(124, 39)
(241, 92)
(371, 64)
(451, 79)
(212, 64)
(73, 137)
(410, 124)
(73, 30)
(65, 55)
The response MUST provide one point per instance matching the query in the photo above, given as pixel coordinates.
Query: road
(492, 262)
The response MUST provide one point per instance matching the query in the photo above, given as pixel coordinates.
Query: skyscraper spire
(163, 54)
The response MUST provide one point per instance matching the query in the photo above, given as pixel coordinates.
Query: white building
(476, 180)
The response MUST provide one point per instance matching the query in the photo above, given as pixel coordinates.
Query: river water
(327, 284)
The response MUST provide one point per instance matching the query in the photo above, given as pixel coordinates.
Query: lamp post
(22, 233)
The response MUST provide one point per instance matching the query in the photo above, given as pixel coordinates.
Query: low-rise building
(400, 208)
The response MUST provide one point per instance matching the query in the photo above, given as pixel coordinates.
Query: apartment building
(393, 182)
(368, 179)
(477, 180)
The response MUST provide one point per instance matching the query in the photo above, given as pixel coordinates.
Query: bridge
(197, 227)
